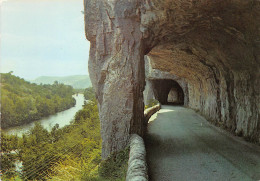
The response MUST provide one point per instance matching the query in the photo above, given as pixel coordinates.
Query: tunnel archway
(168, 91)
(205, 43)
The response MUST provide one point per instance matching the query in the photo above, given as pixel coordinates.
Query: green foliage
(23, 102)
(37, 152)
(69, 153)
(8, 156)
(89, 94)
(115, 167)
(79, 91)
(85, 162)
(151, 103)
(84, 139)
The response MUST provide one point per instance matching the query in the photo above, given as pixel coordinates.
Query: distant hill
(23, 102)
(76, 81)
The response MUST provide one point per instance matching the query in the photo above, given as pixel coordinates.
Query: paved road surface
(181, 145)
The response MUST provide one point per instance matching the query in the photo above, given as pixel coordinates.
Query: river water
(62, 118)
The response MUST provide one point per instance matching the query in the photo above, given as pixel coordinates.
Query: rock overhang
(211, 47)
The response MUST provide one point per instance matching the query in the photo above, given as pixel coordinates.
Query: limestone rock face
(116, 68)
(211, 48)
(148, 92)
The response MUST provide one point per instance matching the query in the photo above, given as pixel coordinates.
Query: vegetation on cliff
(151, 103)
(23, 102)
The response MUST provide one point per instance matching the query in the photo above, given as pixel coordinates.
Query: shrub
(151, 103)
(115, 167)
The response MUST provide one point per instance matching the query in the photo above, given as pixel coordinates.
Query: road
(181, 145)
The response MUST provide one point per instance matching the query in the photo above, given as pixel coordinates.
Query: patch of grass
(115, 167)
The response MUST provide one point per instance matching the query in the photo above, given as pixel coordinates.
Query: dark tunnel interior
(168, 91)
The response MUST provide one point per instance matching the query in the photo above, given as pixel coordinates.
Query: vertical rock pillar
(116, 69)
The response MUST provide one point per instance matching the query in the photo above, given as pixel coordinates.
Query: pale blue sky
(43, 37)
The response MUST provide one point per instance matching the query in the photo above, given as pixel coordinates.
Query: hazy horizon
(43, 38)
(47, 75)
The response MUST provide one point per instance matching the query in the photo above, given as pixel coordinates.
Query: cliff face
(116, 69)
(211, 48)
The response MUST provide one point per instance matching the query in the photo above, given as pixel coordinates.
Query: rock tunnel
(210, 48)
(167, 91)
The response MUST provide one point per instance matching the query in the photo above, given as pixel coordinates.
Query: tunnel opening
(168, 92)
(205, 46)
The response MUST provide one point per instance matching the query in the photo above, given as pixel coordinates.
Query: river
(62, 118)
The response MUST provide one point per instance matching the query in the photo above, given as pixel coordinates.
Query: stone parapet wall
(150, 111)
(137, 167)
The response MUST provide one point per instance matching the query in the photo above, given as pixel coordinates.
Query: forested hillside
(23, 102)
(89, 93)
(76, 81)
(69, 153)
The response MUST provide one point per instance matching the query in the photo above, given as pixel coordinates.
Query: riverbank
(62, 118)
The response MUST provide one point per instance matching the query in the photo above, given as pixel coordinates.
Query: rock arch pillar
(116, 68)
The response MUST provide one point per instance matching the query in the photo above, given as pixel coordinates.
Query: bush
(115, 167)
(151, 103)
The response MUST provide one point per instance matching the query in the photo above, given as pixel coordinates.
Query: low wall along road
(137, 167)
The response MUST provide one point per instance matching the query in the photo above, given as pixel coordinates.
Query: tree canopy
(24, 102)
(72, 152)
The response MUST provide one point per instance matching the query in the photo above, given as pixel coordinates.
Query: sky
(43, 38)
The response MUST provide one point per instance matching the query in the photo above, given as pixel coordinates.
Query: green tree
(8, 156)
(89, 94)
(23, 102)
